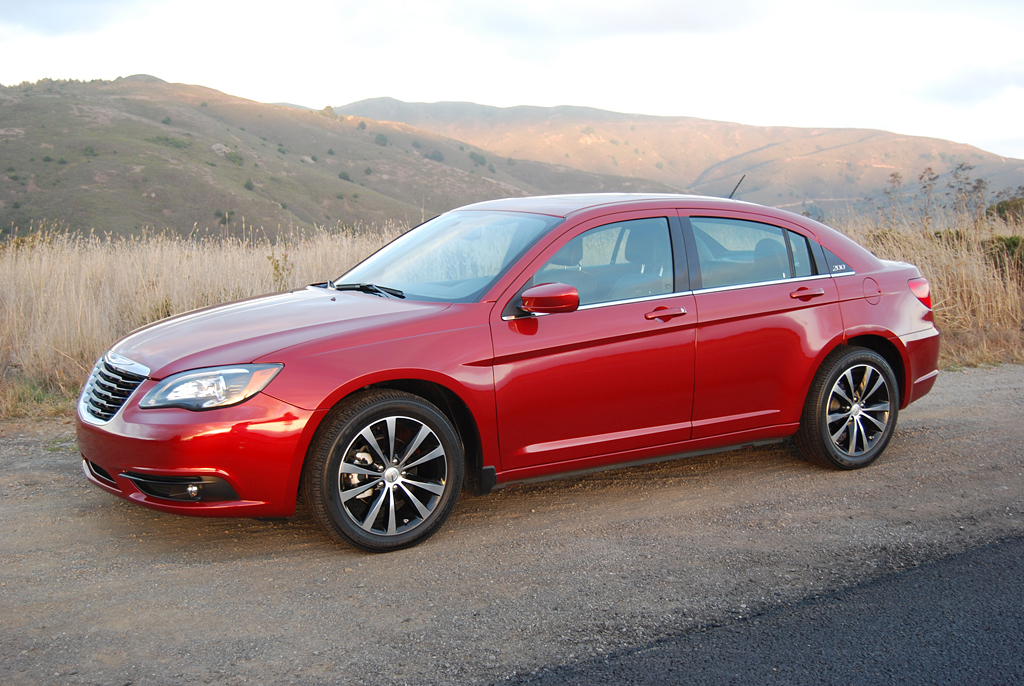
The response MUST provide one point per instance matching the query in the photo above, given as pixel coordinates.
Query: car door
(766, 311)
(612, 376)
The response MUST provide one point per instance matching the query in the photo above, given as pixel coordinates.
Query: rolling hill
(138, 153)
(795, 168)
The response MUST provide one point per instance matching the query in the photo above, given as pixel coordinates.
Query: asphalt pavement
(957, 620)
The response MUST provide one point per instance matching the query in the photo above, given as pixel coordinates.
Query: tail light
(921, 288)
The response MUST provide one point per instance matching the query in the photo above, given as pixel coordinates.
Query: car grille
(107, 389)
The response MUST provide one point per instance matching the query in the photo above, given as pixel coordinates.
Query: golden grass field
(67, 296)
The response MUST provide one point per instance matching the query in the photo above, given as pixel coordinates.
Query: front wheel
(384, 471)
(851, 410)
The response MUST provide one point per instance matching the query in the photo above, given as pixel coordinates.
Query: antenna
(737, 186)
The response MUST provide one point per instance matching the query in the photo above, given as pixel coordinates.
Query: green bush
(478, 159)
(330, 151)
(659, 165)
(166, 120)
(416, 144)
(169, 141)
(62, 161)
(345, 177)
(313, 157)
(436, 156)
(490, 168)
(339, 196)
(249, 185)
(380, 139)
(90, 152)
(367, 171)
(234, 158)
(47, 159)
(362, 126)
(280, 149)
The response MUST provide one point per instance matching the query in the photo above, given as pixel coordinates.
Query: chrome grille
(108, 387)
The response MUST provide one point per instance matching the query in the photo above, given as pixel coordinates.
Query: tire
(384, 471)
(851, 410)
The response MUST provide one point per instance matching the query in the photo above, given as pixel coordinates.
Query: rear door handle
(807, 293)
(663, 314)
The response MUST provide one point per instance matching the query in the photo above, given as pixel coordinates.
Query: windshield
(453, 258)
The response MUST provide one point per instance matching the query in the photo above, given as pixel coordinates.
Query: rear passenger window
(733, 252)
(803, 265)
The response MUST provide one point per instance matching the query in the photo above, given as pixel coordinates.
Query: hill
(121, 156)
(794, 168)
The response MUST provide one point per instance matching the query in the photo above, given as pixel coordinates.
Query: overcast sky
(948, 69)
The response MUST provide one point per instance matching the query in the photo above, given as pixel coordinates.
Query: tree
(362, 126)
(345, 177)
(436, 156)
(381, 139)
(249, 185)
(167, 120)
(368, 171)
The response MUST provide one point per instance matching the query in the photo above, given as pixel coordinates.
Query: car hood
(243, 331)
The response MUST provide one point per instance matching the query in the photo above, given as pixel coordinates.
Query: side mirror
(550, 298)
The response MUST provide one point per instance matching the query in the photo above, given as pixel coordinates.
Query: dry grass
(979, 307)
(67, 297)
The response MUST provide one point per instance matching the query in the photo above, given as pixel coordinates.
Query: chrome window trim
(662, 296)
(718, 289)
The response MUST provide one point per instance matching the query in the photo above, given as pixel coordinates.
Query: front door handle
(807, 293)
(663, 314)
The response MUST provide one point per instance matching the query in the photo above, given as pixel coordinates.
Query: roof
(564, 205)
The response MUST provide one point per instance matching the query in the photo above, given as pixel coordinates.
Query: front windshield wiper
(372, 288)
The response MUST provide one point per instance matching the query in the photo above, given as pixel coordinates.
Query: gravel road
(523, 585)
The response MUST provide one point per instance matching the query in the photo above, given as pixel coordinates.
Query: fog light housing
(189, 488)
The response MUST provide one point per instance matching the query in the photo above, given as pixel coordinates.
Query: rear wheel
(851, 410)
(384, 471)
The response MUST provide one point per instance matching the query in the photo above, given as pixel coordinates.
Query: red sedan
(511, 341)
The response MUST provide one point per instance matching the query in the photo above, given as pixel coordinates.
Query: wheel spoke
(880, 425)
(832, 418)
(881, 407)
(436, 489)
(349, 468)
(390, 422)
(864, 379)
(352, 493)
(420, 507)
(837, 390)
(391, 511)
(372, 442)
(432, 455)
(839, 432)
(367, 524)
(411, 448)
(879, 383)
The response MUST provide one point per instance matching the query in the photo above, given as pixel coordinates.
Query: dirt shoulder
(94, 590)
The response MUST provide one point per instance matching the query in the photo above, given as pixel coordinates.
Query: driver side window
(620, 261)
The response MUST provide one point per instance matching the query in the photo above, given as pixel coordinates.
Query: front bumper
(246, 459)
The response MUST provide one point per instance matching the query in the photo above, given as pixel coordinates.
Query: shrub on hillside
(166, 120)
(249, 185)
(90, 152)
(478, 159)
(367, 171)
(436, 156)
(380, 139)
(344, 176)
(362, 126)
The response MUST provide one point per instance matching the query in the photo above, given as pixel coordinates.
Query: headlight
(206, 389)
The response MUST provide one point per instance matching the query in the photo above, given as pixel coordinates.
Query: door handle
(663, 314)
(807, 293)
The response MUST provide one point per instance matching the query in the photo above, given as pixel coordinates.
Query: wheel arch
(888, 350)
(457, 412)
